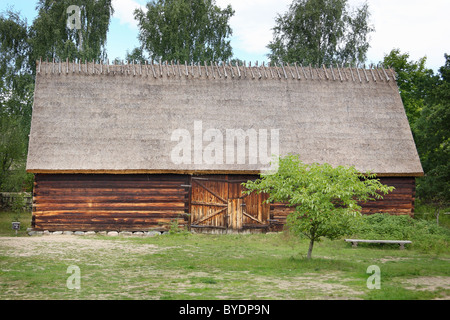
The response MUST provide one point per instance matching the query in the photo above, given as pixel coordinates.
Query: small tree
(325, 198)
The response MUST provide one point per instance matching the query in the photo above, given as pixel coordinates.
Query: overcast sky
(418, 27)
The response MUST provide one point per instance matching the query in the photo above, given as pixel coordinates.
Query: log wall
(398, 202)
(137, 202)
(109, 202)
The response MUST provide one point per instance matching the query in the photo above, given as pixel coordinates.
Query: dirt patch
(327, 284)
(64, 245)
(429, 283)
(393, 259)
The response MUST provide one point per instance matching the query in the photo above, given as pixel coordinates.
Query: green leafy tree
(16, 75)
(414, 81)
(321, 32)
(433, 142)
(137, 54)
(426, 99)
(326, 199)
(185, 30)
(16, 94)
(12, 149)
(53, 37)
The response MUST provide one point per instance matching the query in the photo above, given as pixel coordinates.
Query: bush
(18, 203)
(425, 234)
(386, 227)
(428, 211)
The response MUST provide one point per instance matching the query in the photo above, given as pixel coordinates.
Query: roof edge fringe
(213, 70)
(188, 172)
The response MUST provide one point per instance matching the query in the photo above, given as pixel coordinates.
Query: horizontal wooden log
(108, 192)
(112, 220)
(109, 199)
(102, 214)
(104, 207)
(102, 227)
(127, 221)
(393, 180)
(397, 182)
(388, 206)
(108, 177)
(407, 190)
(399, 196)
(108, 184)
(108, 209)
(90, 205)
(107, 212)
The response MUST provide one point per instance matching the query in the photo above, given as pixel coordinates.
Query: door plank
(210, 216)
(210, 191)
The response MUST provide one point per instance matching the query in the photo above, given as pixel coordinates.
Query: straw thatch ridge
(213, 70)
(120, 118)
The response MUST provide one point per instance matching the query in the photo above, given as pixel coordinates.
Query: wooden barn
(140, 147)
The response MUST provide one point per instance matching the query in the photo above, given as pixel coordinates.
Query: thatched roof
(120, 118)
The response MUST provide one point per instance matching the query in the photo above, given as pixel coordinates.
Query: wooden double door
(218, 202)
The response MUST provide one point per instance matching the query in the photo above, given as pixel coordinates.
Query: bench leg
(402, 246)
(354, 244)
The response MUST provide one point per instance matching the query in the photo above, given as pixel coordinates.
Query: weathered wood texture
(109, 202)
(398, 202)
(136, 202)
(218, 202)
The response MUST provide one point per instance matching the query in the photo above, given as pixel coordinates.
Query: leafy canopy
(185, 30)
(52, 37)
(326, 199)
(432, 133)
(426, 97)
(321, 32)
(16, 97)
(414, 81)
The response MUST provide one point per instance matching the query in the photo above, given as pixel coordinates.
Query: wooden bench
(400, 242)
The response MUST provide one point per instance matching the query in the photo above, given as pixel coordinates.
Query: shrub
(18, 203)
(425, 235)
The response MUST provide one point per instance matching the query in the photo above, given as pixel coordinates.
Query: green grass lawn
(225, 267)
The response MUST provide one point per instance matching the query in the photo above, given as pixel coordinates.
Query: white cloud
(252, 23)
(414, 26)
(124, 11)
(417, 27)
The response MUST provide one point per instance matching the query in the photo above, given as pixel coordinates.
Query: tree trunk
(311, 244)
